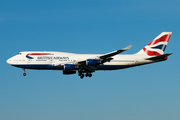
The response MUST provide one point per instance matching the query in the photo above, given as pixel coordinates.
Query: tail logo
(157, 46)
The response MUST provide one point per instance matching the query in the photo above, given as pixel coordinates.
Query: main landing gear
(82, 75)
(24, 74)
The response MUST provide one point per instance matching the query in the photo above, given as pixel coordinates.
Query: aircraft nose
(9, 61)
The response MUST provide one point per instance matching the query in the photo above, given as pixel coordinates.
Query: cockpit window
(19, 53)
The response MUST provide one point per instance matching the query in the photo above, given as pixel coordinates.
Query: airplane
(86, 64)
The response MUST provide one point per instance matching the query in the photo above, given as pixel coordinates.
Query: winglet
(127, 48)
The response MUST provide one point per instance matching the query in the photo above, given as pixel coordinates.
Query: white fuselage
(23, 60)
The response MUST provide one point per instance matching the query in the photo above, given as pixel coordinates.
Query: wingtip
(128, 47)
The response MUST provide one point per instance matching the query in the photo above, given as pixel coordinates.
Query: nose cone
(9, 61)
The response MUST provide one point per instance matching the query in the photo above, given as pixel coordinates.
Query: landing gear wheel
(80, 73)
(24, 74)
(90, 75)
(82, 76)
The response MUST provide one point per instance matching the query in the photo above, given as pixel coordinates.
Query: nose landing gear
(24, 74)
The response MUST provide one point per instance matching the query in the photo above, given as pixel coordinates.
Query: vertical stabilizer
(157, 46)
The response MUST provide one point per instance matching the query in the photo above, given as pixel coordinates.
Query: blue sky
(89, 26)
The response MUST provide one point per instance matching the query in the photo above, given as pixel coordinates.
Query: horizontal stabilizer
(160, 57)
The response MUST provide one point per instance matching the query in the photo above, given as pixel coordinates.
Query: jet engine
(69, 67)
(92, 62)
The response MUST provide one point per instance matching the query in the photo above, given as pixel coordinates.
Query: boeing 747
(86, 64)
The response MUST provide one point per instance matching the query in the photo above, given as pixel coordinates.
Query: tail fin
(157, 46)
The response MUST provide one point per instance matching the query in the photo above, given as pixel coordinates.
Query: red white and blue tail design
(157, 46)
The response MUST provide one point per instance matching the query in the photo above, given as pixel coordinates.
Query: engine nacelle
(92, 62)
(69, 72)
(69, 67)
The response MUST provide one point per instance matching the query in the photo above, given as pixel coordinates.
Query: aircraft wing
(92, 64)
(103, 58)
(108, 55)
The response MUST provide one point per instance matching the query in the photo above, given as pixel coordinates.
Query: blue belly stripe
(51, 67)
